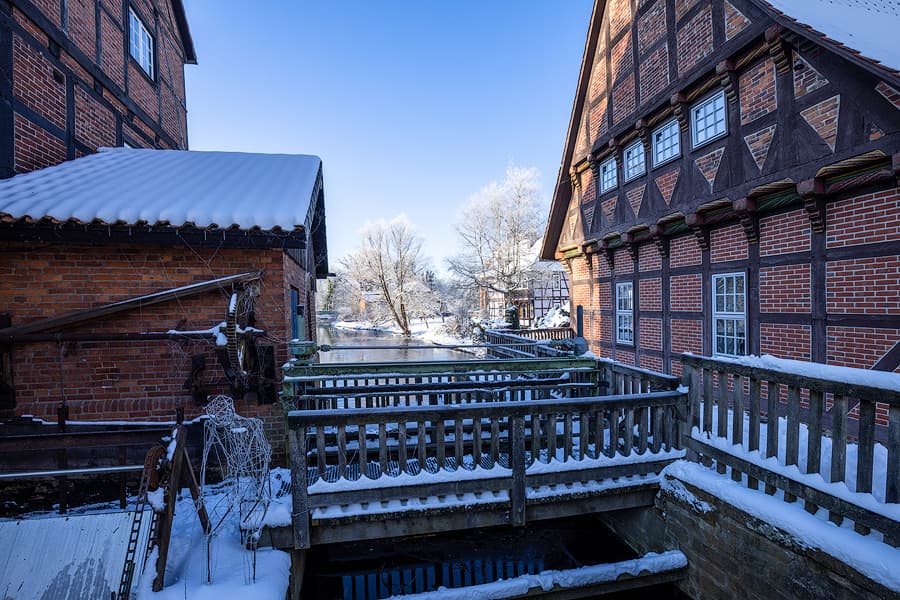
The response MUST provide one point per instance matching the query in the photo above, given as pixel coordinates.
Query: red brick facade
(74, 87)
(136, 380)
(795, 196)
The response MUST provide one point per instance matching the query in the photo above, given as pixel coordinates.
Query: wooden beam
(104, 310)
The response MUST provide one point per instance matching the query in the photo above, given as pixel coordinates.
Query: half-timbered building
(76, 76)
(729, 183)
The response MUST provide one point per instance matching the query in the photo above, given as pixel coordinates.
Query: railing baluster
(657, 429)
(753, 434)
(892, 485)
(792, 442)
(476, 441)
(440, 441)
(342, 451)
(382, 450)
(422, 452)
(598, 433)
(458, 442)
(567, 437)
(402, 456)
(643, 414)
(320, 451)
(628, 434)
(693, 381)
(707, 401)
(584, 432)
(536, 438)
(772, 426)
(495, 440)
(838, 446)
(363, 453)
(737, 419)
(551, 437)
(613, 432)
(814, 440)
(866, 452)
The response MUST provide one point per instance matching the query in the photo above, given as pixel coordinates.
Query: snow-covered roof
(865, 27)
(124, 186)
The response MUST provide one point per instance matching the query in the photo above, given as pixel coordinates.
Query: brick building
(138, 281)
(729, 183)
(78, 75)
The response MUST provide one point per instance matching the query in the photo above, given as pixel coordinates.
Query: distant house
(730, 181)
(544, 287)
(76, 76)
(136, 281)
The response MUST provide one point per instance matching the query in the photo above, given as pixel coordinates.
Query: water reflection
(414, 350)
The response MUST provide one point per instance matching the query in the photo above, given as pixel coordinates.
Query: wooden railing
(511, 344)
(746, 406)
(346, 385)
(549, 333)
(433, 450)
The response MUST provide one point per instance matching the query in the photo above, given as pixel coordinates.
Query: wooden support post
(517, 460)
(194, 486)
(164, 526)
(298, 568)
(299, 485)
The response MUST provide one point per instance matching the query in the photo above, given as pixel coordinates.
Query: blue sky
(412, 105)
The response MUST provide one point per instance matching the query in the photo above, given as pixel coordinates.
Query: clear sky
(412, 105)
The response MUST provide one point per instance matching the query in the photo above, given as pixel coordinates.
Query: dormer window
(708, 120)
(141, 43)
(666, 143)
(609, 178)
(634, 161)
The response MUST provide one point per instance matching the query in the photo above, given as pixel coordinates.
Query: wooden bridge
(382, 451)
(472, 444)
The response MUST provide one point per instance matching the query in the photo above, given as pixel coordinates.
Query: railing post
(299, 485)
(517, 458)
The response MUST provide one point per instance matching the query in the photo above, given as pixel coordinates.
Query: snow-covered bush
(555, 317)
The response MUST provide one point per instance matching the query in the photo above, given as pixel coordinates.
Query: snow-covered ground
(230, 565)
(431, 330)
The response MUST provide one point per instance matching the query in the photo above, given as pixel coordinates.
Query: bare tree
(388, 268)
(496, 228)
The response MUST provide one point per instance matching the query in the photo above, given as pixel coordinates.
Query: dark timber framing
(7, 154)
(798, 173)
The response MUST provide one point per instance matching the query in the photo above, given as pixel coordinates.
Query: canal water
(411, 350)
(382, 569)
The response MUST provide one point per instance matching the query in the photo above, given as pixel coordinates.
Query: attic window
(608, 175)
(634, 161)
(141, 43)
(708, 120)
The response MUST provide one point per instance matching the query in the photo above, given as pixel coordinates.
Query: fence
(513, 344)
(731, 402)
(436, 450)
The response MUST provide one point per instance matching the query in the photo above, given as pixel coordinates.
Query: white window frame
(657, 161)
(634, 167)
(141, 43)
(625, 313)
(722, 318)
(604, 169)
(718, 97)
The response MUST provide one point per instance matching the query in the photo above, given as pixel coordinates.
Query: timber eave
(562, 193)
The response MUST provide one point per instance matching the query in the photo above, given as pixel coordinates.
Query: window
(608, 175)
(708, 119)
(141, 43)
(296, 314)
(634, 161)
(666, 143)
(625, 313)
(729, 315)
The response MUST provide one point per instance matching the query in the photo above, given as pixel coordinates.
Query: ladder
(150, 465)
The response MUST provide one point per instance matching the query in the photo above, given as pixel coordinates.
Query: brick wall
(757, 89)
(684, 251)
(650, 294)
(695, 40)
(686, 293)
(727, 243)
(785, 341)
(103, 111)
(865, 219)
(784, 233)
(133, 380)
(864, 286)
(785, 289)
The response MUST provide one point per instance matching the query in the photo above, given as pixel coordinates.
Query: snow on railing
(816, 443)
